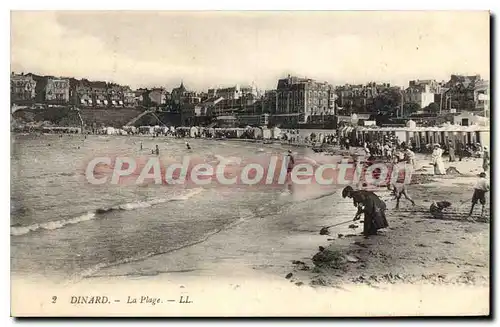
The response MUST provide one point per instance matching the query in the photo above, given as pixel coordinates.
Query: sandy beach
(416, 253)
(271, 253)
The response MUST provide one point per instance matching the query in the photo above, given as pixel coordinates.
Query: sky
(215, 49)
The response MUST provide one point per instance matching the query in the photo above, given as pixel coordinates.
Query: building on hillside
(460, 93)
(433, 85)
(129, 99)
(22, 88)
(270, 102)
(157, 97)
(419, 94)
(235, 92)
(244, 104)
(225, 107)
(249, 90)
(141, 97)
(188, 112)
(84, 96)
(203, 96)
(57, 90)
(191, 97)
(197, 112)
(206, 108)
(99, 94)
(359, 98)
(178, 94)
(228, 93)
(300, 98)
(115, 95)
(482, 96)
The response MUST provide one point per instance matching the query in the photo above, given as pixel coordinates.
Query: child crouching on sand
(437, 207)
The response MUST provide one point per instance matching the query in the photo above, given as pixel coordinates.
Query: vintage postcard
(250, 163)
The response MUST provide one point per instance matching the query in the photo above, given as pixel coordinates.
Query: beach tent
(258, 133)
(276, 133)
(266, 133)
(193, 131)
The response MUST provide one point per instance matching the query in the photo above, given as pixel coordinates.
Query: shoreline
(414, 250)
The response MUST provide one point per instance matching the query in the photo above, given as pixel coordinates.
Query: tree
(410, 108)
(387, 101)
(432, 107)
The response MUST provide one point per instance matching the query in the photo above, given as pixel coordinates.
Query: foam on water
(56, 224)
(50, 225)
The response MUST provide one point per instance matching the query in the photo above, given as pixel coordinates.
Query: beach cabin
(276, 133)
(420, 136)
(162, 130)
(266, 133)
(345, 131)
(240, 132)
(202, 130)
(258, 133)
(193, 131)
(109, 130)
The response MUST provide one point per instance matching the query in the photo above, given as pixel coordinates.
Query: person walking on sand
(389, 153)
(290, 164)
(157, 151)
(451, 150)
(141, 145)
(371, 206)
(437, 160)
(410, 157)
(486, 159)
(398, 190)
(479, 195)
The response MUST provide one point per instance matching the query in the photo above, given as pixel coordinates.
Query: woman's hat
(346, 191)
(437, 145)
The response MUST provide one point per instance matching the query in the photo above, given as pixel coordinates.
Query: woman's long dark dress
(374, 211)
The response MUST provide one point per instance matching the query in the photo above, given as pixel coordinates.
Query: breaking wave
(50, 225)
(17, 230)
